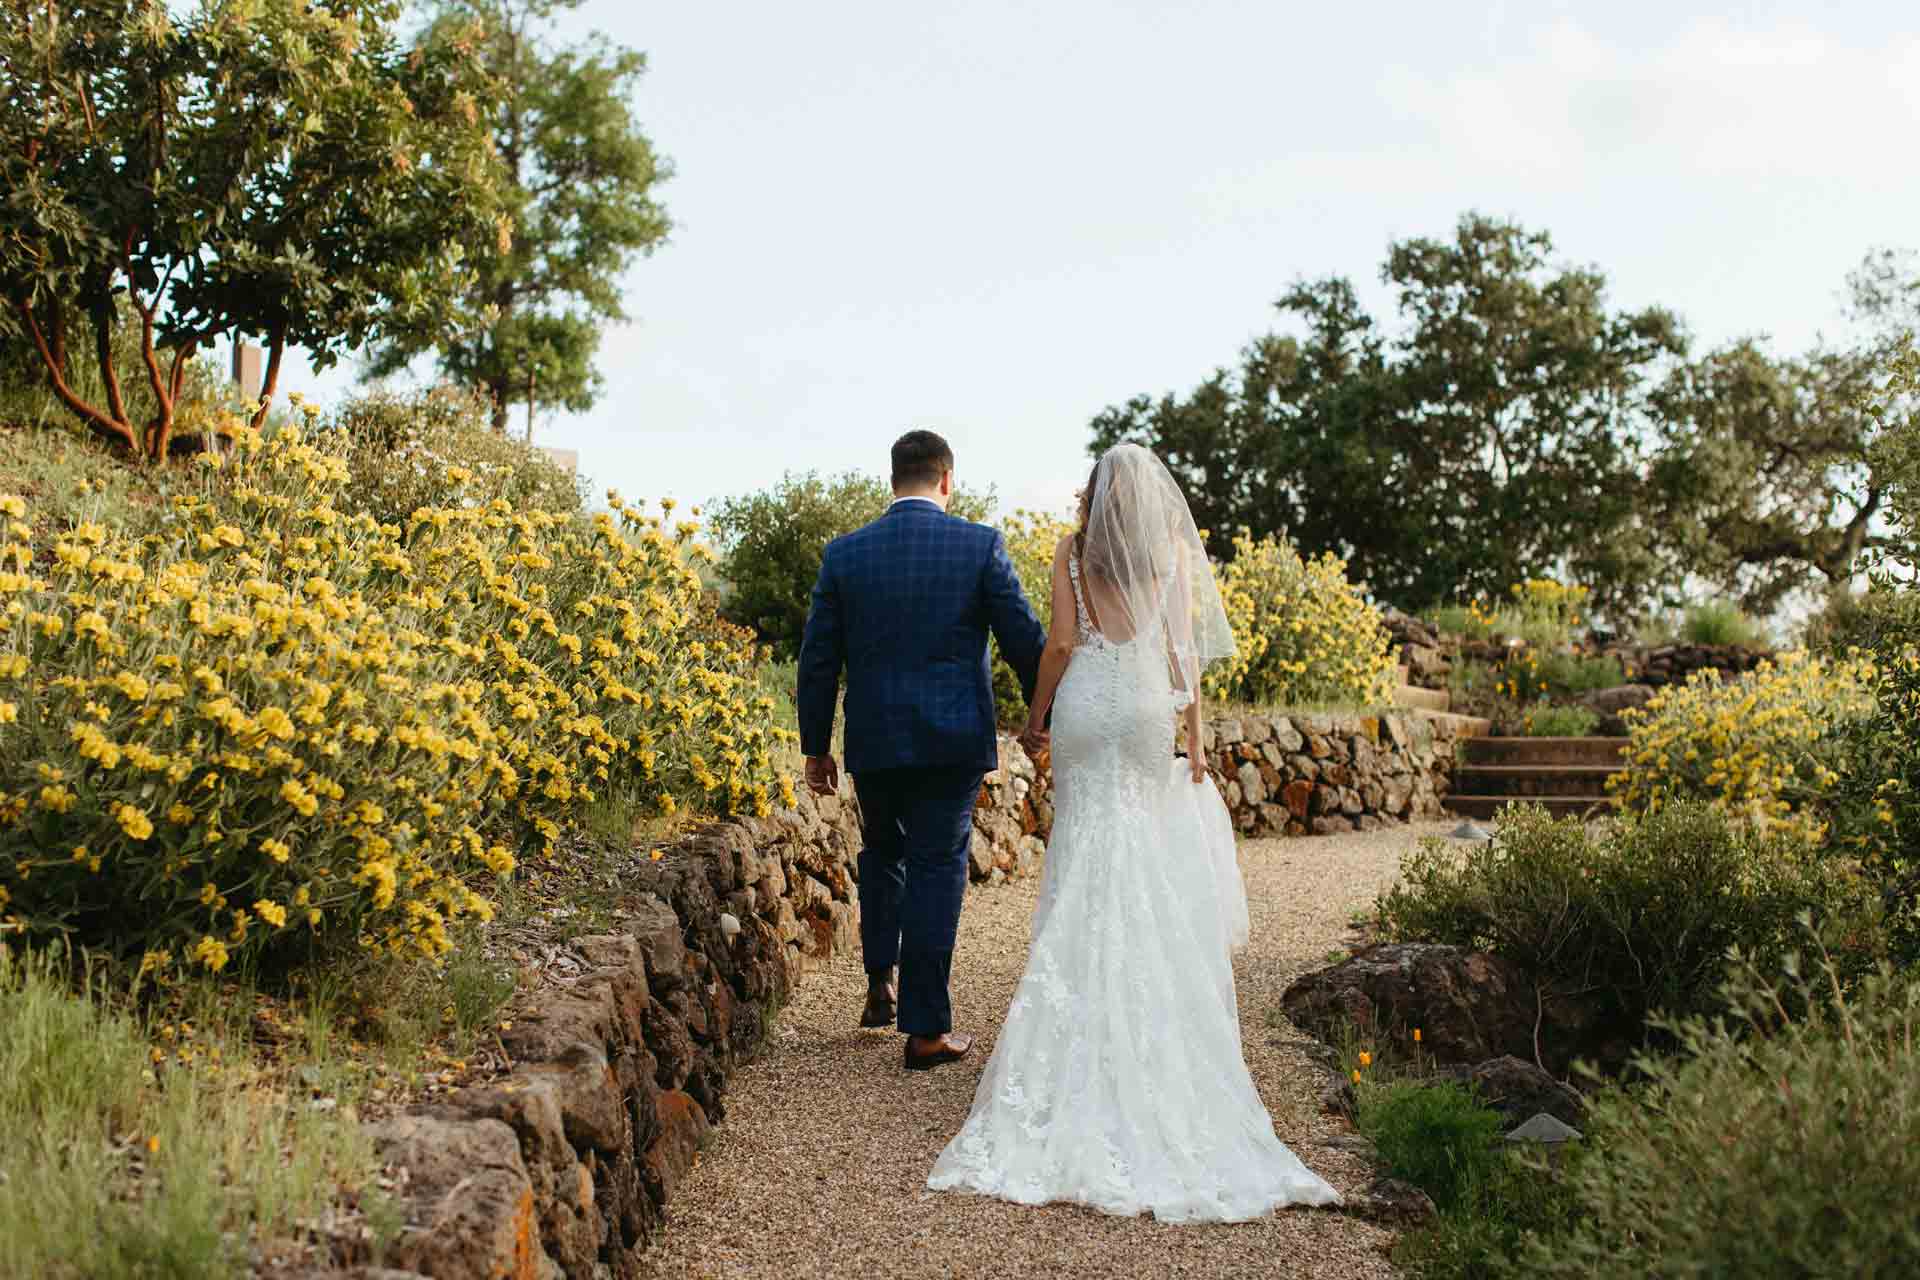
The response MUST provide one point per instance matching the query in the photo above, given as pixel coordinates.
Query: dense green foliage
(579, 186)
(399, 450)
(1492, 1198)
(771, 542)
(1436, 1136)
(1633, 916)
(1487, 440)
(1780, 1143)
(289, 171)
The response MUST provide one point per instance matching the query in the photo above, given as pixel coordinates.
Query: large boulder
(1519, 1090)
(1612, 704)
(1468, 1006)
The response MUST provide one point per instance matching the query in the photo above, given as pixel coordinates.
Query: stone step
(1425, 699)
(1542, 751)
(1484, 807)
(1532, 779)
(1465, 728)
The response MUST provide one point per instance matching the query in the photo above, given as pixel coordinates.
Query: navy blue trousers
(918, 826)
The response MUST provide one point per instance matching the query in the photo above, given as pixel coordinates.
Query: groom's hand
(823, 775)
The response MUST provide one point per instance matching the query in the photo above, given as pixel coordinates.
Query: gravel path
(820, 1169)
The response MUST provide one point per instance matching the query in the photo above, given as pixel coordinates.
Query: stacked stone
(1420, 649)
(1328, 774)
(1011, 819)
(1673, 664)
(564, 1165)
(1280, 775)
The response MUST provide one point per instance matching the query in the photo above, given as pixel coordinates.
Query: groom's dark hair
(919, 460)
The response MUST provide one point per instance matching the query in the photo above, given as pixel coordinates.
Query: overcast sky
(995, 218)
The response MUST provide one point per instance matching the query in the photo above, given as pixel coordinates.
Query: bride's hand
(1198, 763)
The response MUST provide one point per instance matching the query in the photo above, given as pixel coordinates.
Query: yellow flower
(135, 823)
(211, 953)
(1366, 1059)
(1416, 1035)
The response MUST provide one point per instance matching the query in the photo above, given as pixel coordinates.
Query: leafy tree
(771, 543)
(1760, 485)
(580, 189)
(1495, 435)
(278, 168)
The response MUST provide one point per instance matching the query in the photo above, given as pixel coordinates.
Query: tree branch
(118, 432)
(277, 348)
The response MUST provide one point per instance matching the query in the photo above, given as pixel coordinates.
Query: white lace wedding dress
(1118, 1081)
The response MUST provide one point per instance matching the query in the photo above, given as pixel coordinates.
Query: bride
(1118, 1081)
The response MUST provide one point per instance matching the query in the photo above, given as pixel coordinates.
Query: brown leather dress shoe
(951, 1048)
(882, 994)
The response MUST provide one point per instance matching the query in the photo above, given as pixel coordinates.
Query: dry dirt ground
(820, 1169)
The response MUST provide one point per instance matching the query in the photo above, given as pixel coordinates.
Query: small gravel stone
(821, 1167)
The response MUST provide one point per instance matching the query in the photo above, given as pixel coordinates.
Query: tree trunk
(498, 391)
(118, 432)
(277, 347)
(103, 355)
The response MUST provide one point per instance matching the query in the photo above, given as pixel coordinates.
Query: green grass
(1562, 722)
(1720, 622)
(115, 1165)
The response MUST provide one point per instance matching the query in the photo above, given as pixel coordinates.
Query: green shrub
(1562, 722)
(1517, 1200)
(1639, 912)
(1719, 622)
(1435, 1135)
(1875, 800)
(1469, 621)
(1771, 1146)
(437, 449)
(1572, 674)
(771, 543)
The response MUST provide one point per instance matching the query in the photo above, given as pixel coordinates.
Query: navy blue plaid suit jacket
(904, 605)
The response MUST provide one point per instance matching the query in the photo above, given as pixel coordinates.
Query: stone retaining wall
(562, 1166)
(1279, 774)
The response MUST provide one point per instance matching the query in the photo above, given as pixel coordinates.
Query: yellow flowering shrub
(1760, 747)
(1031, 539)
(1549, 602)
(1304, 632)
(273, 715)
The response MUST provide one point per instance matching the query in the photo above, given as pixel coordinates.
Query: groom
(905, 605)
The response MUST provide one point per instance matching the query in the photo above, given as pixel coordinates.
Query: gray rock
(661, 937)
(1394, 1203)
(1543, 1128)
(980, 856)
(1518, 1089)
(1253, 789)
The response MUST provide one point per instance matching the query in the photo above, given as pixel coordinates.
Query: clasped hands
(823, 772)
